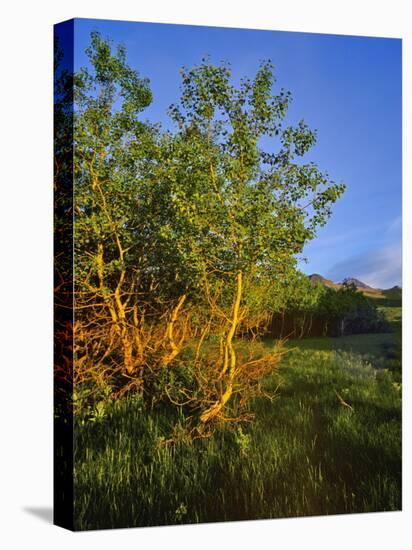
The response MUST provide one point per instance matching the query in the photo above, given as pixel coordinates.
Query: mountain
(316, 278)
(394, 293)
(356, 282)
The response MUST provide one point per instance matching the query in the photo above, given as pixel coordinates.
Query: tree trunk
(342, 327)
(310, 324)
(302, 330)
(175, 347)
(283, 323)
(229, 357)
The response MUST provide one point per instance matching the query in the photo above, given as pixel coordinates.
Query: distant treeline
(316, 310)
(388, 302)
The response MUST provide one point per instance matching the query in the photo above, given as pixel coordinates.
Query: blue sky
(348, 88)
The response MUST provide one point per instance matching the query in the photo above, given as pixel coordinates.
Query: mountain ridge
(394, 292)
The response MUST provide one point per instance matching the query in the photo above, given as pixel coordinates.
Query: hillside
(393, 294)
(316, 278)
(356, 282)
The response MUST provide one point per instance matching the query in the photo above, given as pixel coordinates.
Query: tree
(113, 149)
(189, 236)
(346, 310)
(246, 211)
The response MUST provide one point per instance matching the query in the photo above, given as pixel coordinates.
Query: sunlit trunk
(175, 347)
(228, 371)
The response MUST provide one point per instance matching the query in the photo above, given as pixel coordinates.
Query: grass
(329, 444)
(358, 343)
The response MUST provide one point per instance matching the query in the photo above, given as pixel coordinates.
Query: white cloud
(380, 268)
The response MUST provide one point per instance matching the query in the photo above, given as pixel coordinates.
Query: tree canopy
(186, 238)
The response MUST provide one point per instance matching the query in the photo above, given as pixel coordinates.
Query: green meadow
(329, 442)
